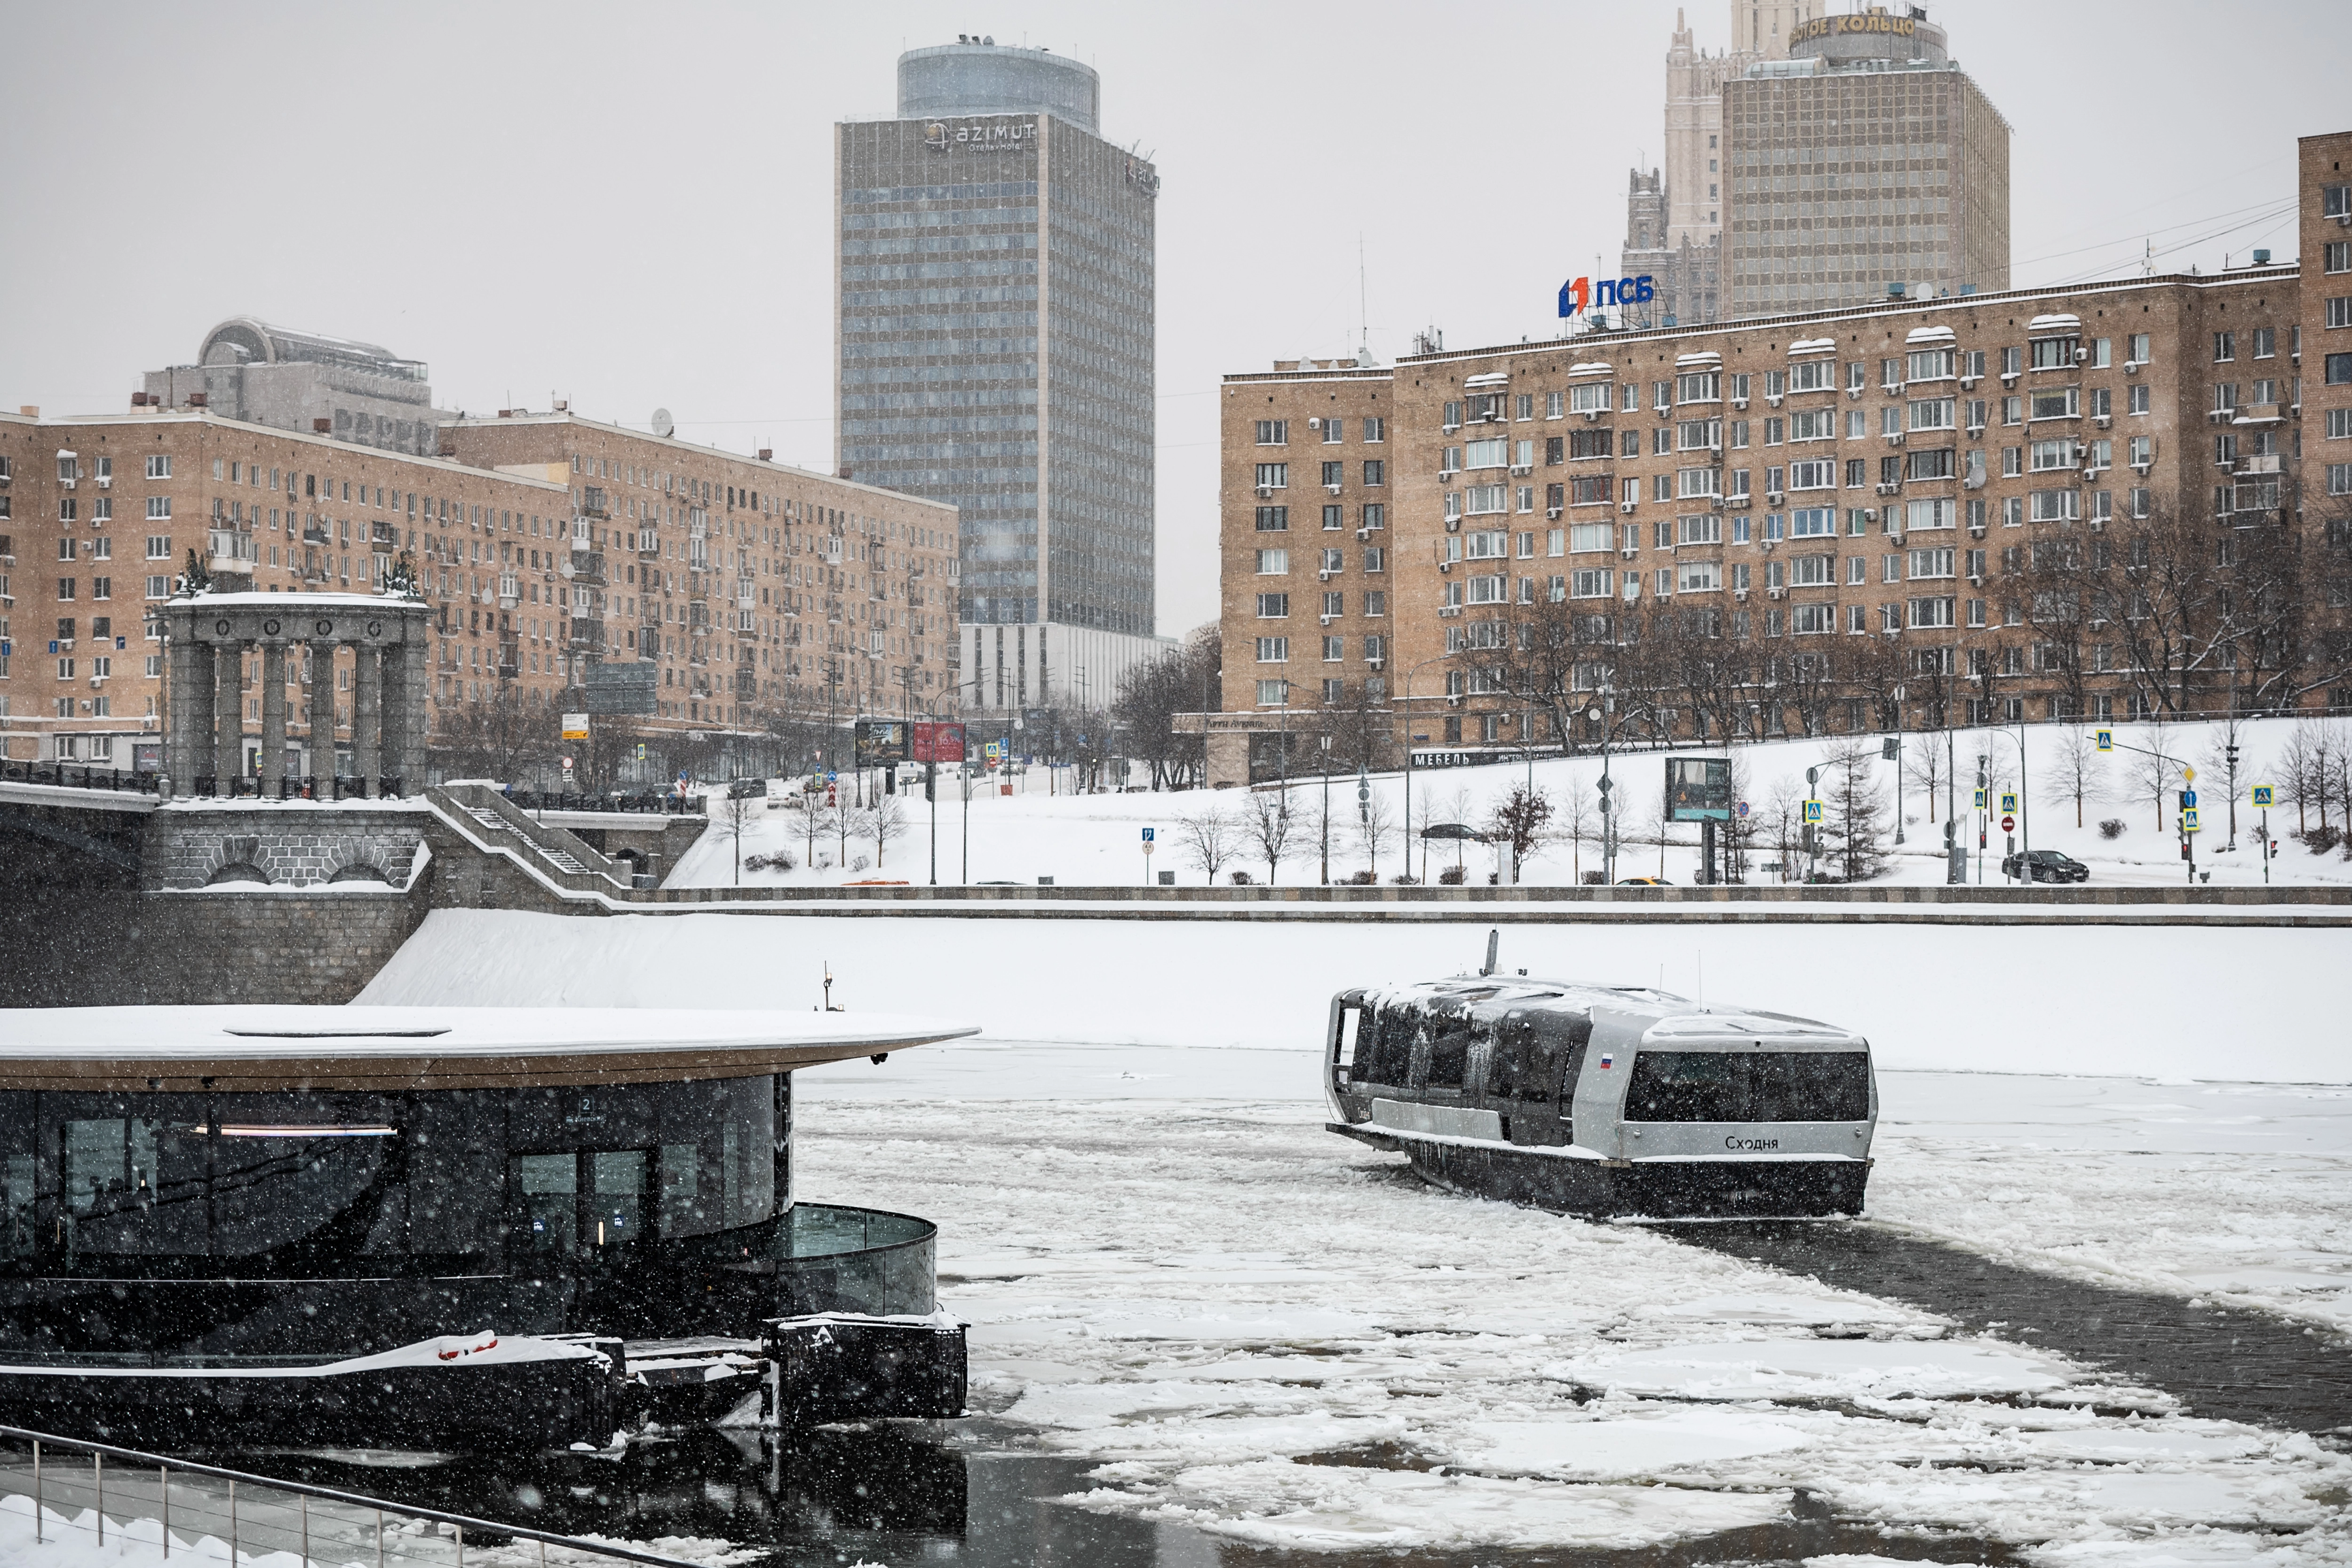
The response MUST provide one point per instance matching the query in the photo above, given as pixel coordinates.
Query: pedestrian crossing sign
(2106, 738)
(1812, 811)
(2265, 795)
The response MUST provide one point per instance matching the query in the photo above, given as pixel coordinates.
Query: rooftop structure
(355, 392)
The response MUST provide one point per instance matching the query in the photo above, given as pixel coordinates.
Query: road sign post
(1147, 846)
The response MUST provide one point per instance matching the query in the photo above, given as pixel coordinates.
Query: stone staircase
(483, 813)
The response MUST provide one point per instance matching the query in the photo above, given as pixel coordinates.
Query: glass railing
(835, 1259)
(134, 1507)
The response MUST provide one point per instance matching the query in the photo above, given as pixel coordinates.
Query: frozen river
(1252, 1327)
(1206, 1331)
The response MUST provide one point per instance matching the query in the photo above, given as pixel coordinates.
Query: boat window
(1350, 1046)
(1449, 1051)
(324, 1171)
(1761, 1086)
(1389, 1060)
(134, 1184)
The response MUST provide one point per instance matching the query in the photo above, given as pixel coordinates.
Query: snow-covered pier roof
(295, 1048)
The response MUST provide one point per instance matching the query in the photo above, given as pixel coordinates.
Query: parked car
(1644, 882)
(2045, 866)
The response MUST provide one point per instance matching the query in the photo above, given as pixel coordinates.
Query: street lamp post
(1326, 741)
(1416, 670)
(1604, 711)
(1898, 770)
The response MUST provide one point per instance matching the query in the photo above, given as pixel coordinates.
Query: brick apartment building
(2092, 501)
(98, 515)
(543, 543)
(763, 594)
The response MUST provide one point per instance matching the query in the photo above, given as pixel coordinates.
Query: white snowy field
(1270, 1333)
(2173, 1001)
(1096, 840)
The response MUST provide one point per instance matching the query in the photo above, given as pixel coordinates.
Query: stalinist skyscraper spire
(1674, 228)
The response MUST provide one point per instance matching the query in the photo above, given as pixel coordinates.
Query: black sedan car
(2045, 866)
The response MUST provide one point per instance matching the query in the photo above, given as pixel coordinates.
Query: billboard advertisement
(881, 741)
(1699, 789)
(939, 742)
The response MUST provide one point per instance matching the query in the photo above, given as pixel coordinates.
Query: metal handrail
(164, 1464)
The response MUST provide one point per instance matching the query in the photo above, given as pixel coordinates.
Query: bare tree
(885, 822)
(1923, 766)
(1376, 823)
(815, 816)
(1209, 836)
(2154, 776)
(2078, 771)
(2301, 769)
(1781, 823)
(734, 819)
(1575, 823)
(1269, 827)
(1520, 821)
(1151, 695)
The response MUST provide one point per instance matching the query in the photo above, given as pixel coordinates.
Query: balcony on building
(231, 549)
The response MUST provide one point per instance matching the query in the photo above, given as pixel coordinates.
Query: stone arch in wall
(239, 858)
(365, 860)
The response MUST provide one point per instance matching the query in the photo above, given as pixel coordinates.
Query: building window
(1273, 433)
(1274, 650)
(1335, 475)
(1376, 472)
(1334, 431)
(1274, 476)
(159, 509)
(2339, 312)
(1273, 519)
(1272, 606)
(1273, 563)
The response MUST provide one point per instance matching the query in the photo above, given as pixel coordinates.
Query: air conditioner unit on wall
(1626, 506)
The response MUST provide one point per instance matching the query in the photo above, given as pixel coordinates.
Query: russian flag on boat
(1606, 1059)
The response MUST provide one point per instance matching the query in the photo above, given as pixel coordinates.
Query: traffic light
(889, 781)
(930, 781)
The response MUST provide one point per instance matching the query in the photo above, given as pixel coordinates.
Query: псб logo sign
(1578, 293)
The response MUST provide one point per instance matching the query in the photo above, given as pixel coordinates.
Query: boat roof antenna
(1493, 938)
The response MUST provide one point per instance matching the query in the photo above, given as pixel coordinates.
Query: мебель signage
(1579, 292)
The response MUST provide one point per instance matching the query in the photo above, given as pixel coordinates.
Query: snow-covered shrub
(1405, 880)
(2113, 827)
(2319, 840)
(1593, 878)
(859, 862)
(1362, 879)
(1240, 878)
(1452, 876)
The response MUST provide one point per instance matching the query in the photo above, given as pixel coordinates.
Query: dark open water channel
(965, 1493)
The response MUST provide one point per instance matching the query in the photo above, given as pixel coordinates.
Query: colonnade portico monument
(208, 638)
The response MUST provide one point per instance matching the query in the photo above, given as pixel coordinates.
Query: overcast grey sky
(627, 205)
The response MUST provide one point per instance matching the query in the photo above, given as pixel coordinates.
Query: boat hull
(1661, 1189)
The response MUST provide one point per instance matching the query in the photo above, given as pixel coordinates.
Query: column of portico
(273, 717)
(322, 714)
(366, 711)
(187, 733)
(229, 714)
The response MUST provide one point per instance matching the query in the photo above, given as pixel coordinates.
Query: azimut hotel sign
(1578, 293)
(980, 135)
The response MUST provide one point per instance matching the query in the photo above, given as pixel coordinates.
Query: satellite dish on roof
(664, 426)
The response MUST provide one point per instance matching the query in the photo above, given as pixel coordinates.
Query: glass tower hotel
(994, 331)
